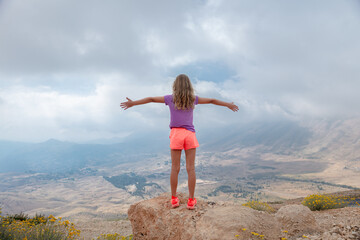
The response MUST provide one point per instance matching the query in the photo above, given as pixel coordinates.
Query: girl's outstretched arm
(230, 105)
(130, 103)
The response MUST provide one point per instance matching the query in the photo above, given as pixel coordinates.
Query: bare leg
(190, 168)
(175, 169)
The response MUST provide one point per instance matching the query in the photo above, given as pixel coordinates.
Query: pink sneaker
(174, 202)
(191, 203)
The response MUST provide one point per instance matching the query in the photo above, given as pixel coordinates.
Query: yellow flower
(304, 236)
(285, 231)
(237, 236)
(244, 229)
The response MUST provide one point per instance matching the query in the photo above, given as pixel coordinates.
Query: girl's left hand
(128, 104)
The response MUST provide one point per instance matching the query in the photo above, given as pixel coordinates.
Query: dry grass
(260, 206)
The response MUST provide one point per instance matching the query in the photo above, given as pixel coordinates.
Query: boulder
(155, 219)
(297, 220)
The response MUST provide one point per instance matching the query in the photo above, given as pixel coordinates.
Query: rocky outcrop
(155, 219)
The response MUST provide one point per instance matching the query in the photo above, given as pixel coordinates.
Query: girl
(182, 134)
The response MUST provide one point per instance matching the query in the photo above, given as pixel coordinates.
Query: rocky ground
(155, 219)
(343, 223)
(339, 223)
(291, 216)
(93, 228)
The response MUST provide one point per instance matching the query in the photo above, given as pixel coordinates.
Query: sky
(65, 66)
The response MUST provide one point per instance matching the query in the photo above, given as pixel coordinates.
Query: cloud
(71, 36)
(35, 113)
(65, 66)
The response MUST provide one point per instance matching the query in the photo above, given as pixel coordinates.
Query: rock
(297, 220)
(340, 231)
(326, 235)
(155, 219)
(335, 230)
(227, 221)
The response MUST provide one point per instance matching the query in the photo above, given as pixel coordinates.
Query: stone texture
(224, 222)
(155, 219)
(297, 220)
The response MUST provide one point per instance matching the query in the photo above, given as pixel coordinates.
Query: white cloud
(216, 30)
(27, 110)
(63, 77)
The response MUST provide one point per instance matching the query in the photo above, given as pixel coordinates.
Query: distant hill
(320, 139)
(49, 156)
(314, 140)
(277, 136)
(56, 156)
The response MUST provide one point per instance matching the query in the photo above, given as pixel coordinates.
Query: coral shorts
(181, 138)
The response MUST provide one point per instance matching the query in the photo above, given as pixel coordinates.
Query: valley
(94, 193)
(326, 162)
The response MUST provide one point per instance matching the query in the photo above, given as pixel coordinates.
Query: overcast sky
(66, 65)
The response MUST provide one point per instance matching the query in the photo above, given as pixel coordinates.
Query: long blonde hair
(183, 93)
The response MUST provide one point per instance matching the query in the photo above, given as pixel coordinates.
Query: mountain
(277, 136)
(57, 156)
(335, 140)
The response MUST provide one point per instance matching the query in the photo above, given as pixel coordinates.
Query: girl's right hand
(128, 104)
(233, 107)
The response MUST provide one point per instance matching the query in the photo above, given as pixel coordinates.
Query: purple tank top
(180, 118)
